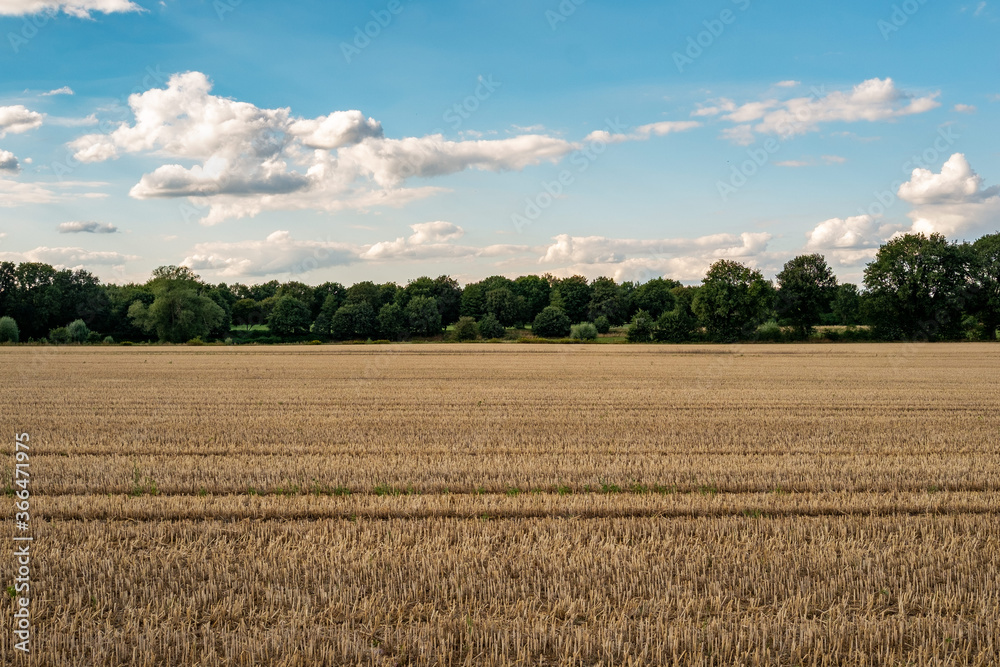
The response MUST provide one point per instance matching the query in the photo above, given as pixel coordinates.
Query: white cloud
(8, 162)
(793, 163)
(952, 201)
(15, 193)
(639, 259)
(65, 90)
(17, 119)
(834, 159)
(279, 253)
(849, 241)
(788, 84)
(67, 257)
(965, 108)
(341, 128)
(89, 227)
(872, 100)
(78, 8)
(643, 132)
(235, 160)
(73, 122)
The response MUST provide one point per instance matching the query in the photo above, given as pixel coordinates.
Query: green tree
(466, 329)
(552, 322)
(918, 288)
(733, 301)
(473, 302)
(641, 328)
(247, 313)
(290, 317)
(9, 332)
(324, 292)
(78, 331)
(354, 321)
(505, 306)
(537, 293)
(572, 296)
(675, 326)
(490, 327)
(423, 316)
(806, 288)
(583, 331)
(179, 311)
(655, 296)
(392, 322)
(986, 279)
(602, 324)
(606, 300)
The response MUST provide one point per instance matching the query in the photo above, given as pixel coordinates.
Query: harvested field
(489, 504)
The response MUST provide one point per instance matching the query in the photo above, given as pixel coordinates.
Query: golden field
(499, 504)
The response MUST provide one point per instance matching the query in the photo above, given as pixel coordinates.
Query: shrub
(229, 341)
(59, 336)
(9, 332)
(770, 332)
(108, 340)
(552, 322)
(675, 326)
(466, 329)
(77, 331)
(584, 331)
(490, 327)
(95, 337)
(641, 329)
(602, 324)
(196, 341)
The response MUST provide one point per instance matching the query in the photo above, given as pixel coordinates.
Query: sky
(319, 140)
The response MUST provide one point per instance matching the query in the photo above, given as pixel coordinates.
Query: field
(487, 505)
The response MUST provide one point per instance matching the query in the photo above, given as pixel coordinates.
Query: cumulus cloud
(8, 162)
(965, 108)
(68, 257)
(234, 159)
(65, 90)
(849, 241)
(78, 8)
(89, 227)
(643, 132)
(17, 119)
(952, 201)
(280, 253)
(872, 100)
(640, 259)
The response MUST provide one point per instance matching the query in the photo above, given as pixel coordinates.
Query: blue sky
(254, 140)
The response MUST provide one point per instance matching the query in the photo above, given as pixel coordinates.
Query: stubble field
(498, 504)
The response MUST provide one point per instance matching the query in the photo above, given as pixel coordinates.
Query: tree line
(916, 288)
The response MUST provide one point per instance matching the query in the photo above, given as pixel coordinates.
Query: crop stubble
(467, 504)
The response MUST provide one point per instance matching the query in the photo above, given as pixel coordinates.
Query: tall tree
(806, 287)
(918, 287)
(986, 279)
(572, 296)
(733, 301)
(180, 310)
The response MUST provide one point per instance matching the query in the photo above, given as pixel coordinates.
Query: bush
(196, 341)
(490, 327)
(552, 322)
(9, 332)
(59, 336)
(675, 326)
(108, 340)
(770, 332)
(95, 337)
(466, 329)
(229, 341)
(641, 329)
(602, 324)
(584, 331)
(77, 331)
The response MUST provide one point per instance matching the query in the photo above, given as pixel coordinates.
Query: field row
(698, 591)
(523, 505)
(492, 473)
